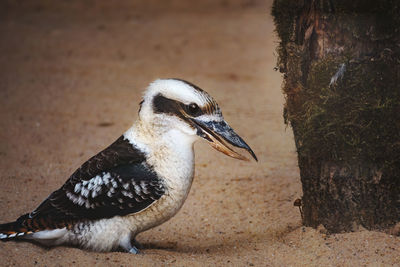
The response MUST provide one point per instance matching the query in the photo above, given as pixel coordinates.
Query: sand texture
(71, 77)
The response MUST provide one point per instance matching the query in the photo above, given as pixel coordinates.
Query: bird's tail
(15, 229)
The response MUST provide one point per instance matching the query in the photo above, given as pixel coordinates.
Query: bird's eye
(193, 109)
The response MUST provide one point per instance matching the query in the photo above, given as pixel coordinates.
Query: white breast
(172, 158)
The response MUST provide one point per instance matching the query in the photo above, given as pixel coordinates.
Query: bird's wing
(120, 152)
(114, 182)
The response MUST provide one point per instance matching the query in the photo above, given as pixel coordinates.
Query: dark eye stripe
(162, 104)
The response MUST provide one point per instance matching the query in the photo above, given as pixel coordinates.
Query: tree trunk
(341, 61)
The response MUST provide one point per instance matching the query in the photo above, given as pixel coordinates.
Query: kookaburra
(139, 181)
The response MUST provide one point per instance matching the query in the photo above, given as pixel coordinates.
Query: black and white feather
(117, 181)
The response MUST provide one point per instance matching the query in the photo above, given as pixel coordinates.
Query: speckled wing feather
(114, 182)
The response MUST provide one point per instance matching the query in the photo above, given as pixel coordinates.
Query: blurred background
(71, 77)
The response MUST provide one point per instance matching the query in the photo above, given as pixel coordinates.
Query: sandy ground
(71, 78)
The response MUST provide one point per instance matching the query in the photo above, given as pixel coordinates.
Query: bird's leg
(130, 248)
(127, 245)
(134, 250)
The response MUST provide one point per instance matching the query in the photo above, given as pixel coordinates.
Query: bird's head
(173, 104)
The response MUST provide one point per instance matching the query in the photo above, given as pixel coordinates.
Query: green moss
(358, 117)
(284, 13)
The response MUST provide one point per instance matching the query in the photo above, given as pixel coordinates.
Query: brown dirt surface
(71, 77)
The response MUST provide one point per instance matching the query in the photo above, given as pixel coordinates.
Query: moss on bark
(341, 65)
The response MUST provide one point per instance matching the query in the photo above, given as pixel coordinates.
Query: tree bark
(341, 61)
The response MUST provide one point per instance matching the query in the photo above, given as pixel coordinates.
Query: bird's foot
(130, 245)
(134, 250)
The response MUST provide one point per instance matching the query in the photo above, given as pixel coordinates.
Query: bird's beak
(212, 131)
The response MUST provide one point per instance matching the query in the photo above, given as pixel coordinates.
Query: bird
(139, 181)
